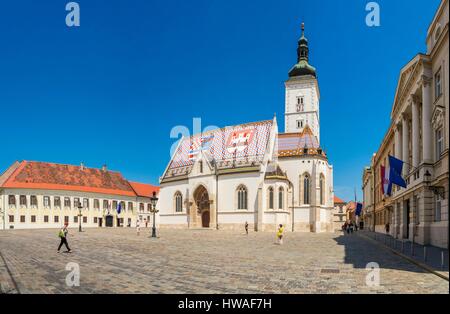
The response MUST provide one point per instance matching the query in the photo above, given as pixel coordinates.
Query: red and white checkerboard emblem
(239, 140)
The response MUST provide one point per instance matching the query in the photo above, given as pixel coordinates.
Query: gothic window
(242, 197)
(12, 200)
(306, 189)
(280, 198)
(299, 124)
(300, 104)
(322, 189)
(271, 198)
(178, 202)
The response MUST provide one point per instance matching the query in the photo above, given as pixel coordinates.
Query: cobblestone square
(204, 261)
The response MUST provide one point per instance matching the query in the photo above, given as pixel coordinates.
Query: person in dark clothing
(246, 228)
(63, 236)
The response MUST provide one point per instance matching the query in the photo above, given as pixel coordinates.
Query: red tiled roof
(337, 200)
(51, 176)
(351, 205)
(294, 144)
(142, 189)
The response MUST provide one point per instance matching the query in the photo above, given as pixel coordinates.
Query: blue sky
(111, 90)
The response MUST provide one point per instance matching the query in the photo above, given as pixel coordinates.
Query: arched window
(280, 198)
(178, 202)
(322, 189)
(306, 189)
(271, 196)
(242, 197)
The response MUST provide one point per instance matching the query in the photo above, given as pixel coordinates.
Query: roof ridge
(230, 126)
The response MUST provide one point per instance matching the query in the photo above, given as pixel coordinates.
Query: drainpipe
(217, 195)
(292, 197)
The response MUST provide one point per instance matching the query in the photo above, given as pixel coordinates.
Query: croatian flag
(392, 175)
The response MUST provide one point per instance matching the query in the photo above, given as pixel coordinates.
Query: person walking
(138, 226)
(246, 228)
(63, 236)
(280, 234)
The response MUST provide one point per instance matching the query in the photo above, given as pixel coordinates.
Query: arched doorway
(202, 203)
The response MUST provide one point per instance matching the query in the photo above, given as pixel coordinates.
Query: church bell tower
(302, 93)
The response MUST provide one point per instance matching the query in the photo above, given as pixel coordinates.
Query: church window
(280, 198)
(271, 198)
(242, 197)
(306, 189)
(299, 124)
(300, 104)
(201, 166)
(178, 202)
(322, 189)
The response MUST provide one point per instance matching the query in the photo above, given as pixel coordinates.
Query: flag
(395, 173)
(386, 186)
(358, 209)
(119, 207)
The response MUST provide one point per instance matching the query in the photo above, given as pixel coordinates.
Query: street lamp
(80, 207)
(153, 210)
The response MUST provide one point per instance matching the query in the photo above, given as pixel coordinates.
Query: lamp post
(79, 216)
(153, 201)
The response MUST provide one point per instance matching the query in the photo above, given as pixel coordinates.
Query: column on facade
(405, 143)
(426, 120)
(398, 141)
(415, 131)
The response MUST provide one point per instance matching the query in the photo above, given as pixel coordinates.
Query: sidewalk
(434, 257)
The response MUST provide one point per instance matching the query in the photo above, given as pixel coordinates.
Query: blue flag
(395, 172)
(119, 207)
(358, 209)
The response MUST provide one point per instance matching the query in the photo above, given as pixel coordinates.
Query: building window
(33, 200)
(76, 202)
(271, 198)
(114, 205)
(96, 204)
(22, 218)
(12, 200)
(84, 219)
(149, 207)
(11, 218)
(322, 189)
(280, 198)
(437, 208)
(86, 203)
(141, 207)
(178, 202)
(242, 197)
(57, 201)
(95, 220)
(130, 206)
(56, 218)
(439, 143)
(45, 218)
(66, 219)
(122, 206)
(46, 201)
(23, 200)
(33, 218)
(300, 104)
(105, 204)
(306, 189)
(66, 202)
(437, 84)
(201, 166)
(75, 219)
(299, 124)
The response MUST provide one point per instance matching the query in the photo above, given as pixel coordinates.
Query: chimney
(104, 169)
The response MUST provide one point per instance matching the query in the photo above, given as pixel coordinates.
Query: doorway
(100, 222)
(205, 219)
(202, 202)
(109, 221)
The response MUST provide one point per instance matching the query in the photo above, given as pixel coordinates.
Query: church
(251, 173)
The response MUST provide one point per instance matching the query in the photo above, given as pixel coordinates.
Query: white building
(252, 173)
(45, 195)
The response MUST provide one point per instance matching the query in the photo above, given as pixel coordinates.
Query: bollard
(442, 259)
(425, 253)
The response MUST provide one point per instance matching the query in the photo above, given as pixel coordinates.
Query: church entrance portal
(202, 203)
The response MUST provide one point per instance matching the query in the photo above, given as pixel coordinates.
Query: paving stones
(205, 261)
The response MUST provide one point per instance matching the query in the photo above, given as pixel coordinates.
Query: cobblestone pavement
(204, 261)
